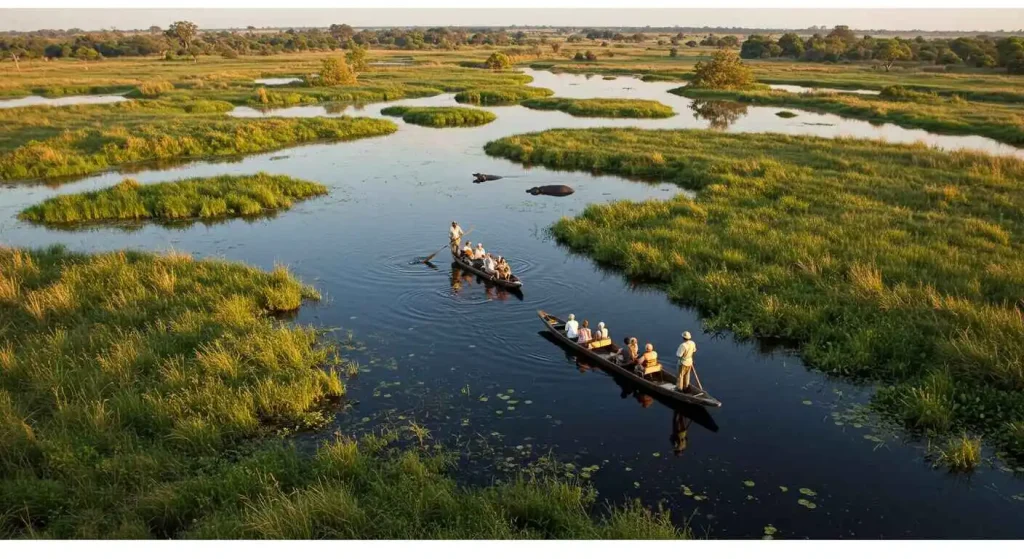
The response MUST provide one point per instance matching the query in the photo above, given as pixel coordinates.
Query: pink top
(584, 335)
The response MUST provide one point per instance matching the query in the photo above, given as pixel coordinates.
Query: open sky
(896, 19)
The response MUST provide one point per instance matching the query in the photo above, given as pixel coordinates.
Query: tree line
(842, 44)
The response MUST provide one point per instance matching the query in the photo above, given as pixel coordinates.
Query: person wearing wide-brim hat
(685, 355)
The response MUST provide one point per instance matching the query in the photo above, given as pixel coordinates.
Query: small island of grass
(786, 114)
(440, 117)
(213, 197)
(501, 95)
(606, 108)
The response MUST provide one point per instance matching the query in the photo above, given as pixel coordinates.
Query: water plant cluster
(212, 197)
(440, 117)
(501, 96)
(605, 108)
(894, 262)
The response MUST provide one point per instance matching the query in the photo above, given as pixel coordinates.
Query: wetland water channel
(468, 362)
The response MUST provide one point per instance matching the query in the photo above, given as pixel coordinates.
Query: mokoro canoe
(663, 383)
(513, 283)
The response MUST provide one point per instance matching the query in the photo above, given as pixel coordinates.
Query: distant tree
(87, 53)
(579, 56)
(555, 47)
(184, 32)
(357, 56)
(342, 32)
(155, 29)
(691, 44)
(725, 70)
(756, 46)
(673, 52)
(791, 45)
(674, 40)
(590, 55)
(498, 61)
(638, 37)
(891, 50)
(843, 33)
(335, 71)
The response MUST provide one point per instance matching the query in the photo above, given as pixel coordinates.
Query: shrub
(498, 61)
(725, 70)
(335, 71)
(154, 88)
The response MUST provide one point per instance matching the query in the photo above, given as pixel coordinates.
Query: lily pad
(770, 530)
(687, 491)
(806, 503)
(783, 488)
(700, 497)
(808, 492)
(656, 455)
(528, 402)
(636, 484)
(748, 483)
(483, 398)
(807, 402)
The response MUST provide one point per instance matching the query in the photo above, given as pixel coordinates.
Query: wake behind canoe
(662, 383)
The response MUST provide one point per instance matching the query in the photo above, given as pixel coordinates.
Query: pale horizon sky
(890, 19)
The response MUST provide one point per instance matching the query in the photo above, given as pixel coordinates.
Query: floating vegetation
(807, 504)
(769, 532)
(807, 402)
(786, 114)
(602, 107)
(783, 488)
(748, 483)
(808, 492)
(440, 117)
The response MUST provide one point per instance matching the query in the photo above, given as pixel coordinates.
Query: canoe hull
(666, 389)
(461, 263)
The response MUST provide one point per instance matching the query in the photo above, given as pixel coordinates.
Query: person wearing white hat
(685, 355)
(572, 328)
(480, 252)
(601, 333)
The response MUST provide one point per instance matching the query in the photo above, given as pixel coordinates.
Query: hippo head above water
(551, 190)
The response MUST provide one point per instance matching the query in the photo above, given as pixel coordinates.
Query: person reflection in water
(680, 432)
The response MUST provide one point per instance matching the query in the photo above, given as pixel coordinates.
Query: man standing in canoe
(455, 237)
(685, 354)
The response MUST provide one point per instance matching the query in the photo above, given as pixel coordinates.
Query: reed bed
(898, 263)
(207, 198)
(501, 96)
(605, 108)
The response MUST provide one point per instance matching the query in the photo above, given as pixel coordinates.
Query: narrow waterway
(468, 362)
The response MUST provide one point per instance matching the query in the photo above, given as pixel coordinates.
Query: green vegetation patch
(896, 262)
(786, 114)
(608, 108)
(440, 117)
(49, 142)
(214, 197)
(929, 111)
(501, 96)
(144, 396)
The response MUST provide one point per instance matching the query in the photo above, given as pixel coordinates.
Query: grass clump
(928, 111)
(607, 108)
(960, 454)
(501, 96)
(77, 140)
(214, 197)
(895, 262)
(786, 114)
(143, 396)
(440, 117)
(153, 88)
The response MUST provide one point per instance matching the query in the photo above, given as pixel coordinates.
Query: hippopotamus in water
(551, 190)
(480, 177)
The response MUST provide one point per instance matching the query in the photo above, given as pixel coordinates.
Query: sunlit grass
(896, 262)
(440, 117)
(607, 108)
(213, 197)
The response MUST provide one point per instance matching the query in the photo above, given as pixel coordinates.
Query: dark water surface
(450, 353)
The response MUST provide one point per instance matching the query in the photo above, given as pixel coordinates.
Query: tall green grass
(928, 111)
(144, 396)
(607, 108)
(213, 197)
(49, 142)
(440, 117)
(896, 262)
(501, 96)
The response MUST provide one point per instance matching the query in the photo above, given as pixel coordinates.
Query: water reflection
(61, 101)
(719, 114)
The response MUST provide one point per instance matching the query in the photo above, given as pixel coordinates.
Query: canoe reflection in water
(461, 279)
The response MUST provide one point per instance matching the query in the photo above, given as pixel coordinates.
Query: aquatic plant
(145, 396)
(501, 96)
(440, 117)
(896, 262)
(607, 108)
(961, 453)
(213, 197)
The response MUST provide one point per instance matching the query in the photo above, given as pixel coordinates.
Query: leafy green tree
(673, 52)
(691, 44)
(184, 32)
(891, 50)
(579, 56)
(357, 56)
(498, 61)
(555, 47)
(725, 70)
(791, 45)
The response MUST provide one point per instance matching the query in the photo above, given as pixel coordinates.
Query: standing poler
(685, 355)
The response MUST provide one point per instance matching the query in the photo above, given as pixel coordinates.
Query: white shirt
(686, 351)
(602, 333)
(489, 265)
(572, 329)
(455, 232)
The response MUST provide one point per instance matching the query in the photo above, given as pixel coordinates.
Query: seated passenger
(572, 328)
(601, 333)
(585, 335)
(489, 266)
(649, 358)
(630, 353)
(479, 253)
(467, 251)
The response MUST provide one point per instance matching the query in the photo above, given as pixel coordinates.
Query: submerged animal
(551, 190)
(480, 177)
